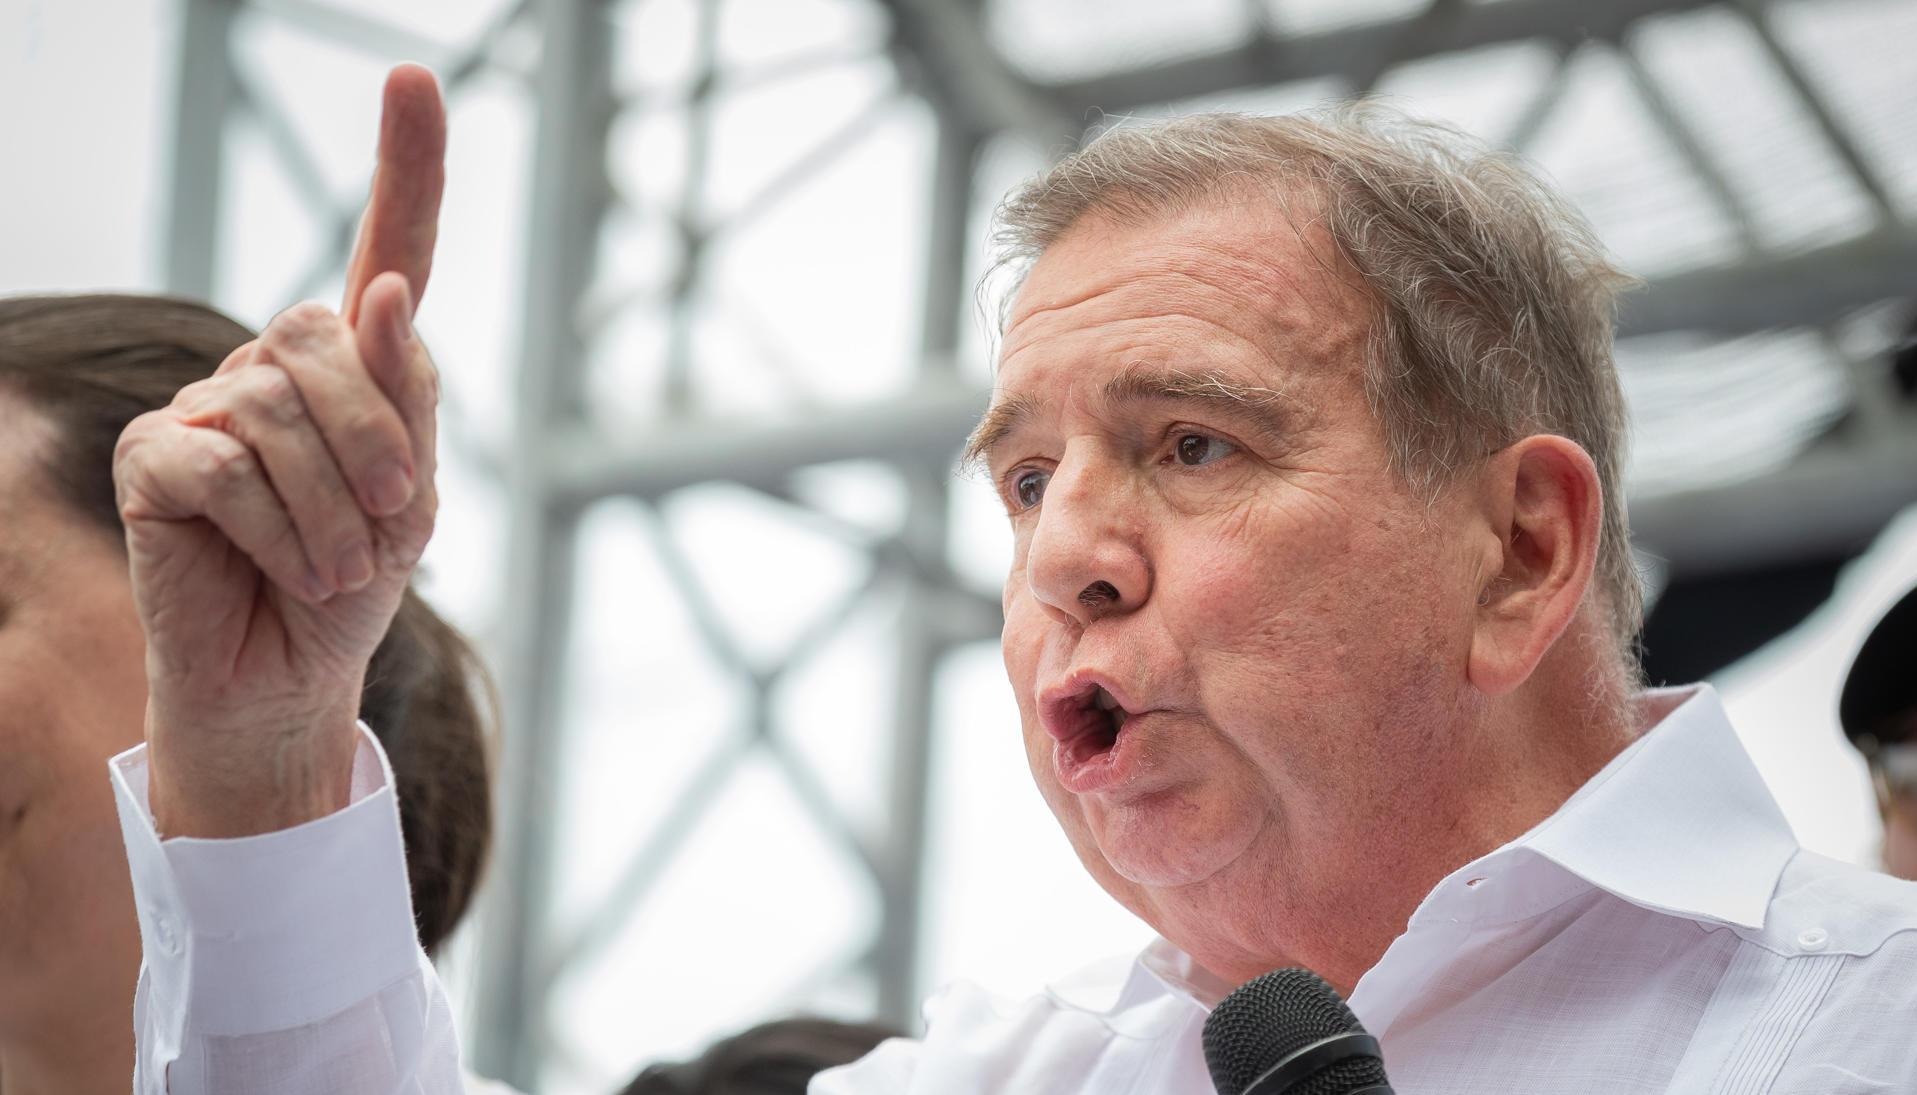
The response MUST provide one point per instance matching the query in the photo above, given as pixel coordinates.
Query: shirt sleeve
(285, 963)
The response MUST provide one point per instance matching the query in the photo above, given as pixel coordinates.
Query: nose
(1085, 560)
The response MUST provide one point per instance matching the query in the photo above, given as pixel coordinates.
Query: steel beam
(677, 396)
(1806, 289)
(1827, 502)
(922, 641)
(920, 647)
(1677, 130)
(945, 45)
(569, 196)
(201, 105)
(1759, 18)
(1340, 54)
(357, 30)
(925, 422)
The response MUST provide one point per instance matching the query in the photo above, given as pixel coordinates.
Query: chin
(1166, 840)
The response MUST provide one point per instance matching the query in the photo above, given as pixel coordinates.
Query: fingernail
(355, 567)
(392, 488)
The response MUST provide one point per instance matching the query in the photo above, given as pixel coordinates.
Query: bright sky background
(834, 271)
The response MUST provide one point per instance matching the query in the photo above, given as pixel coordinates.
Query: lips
(1086, 716)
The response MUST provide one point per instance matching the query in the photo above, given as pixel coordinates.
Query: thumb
(383, 332)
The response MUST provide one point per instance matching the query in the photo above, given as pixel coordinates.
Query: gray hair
(1494, 301)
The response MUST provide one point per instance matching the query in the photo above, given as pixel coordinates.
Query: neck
(1333, 901)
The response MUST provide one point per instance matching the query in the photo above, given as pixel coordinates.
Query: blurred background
(704, 304)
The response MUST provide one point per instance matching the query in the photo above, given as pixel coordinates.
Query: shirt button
(167, 936)
(1813, 939)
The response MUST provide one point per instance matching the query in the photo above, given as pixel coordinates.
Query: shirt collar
(1680, 822)
(1168, 968)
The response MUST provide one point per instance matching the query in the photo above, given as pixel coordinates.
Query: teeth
(1104, 700)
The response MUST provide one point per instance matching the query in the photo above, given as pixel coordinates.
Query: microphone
(1289, 1033)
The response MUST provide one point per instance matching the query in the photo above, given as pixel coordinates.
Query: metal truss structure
(566, 459)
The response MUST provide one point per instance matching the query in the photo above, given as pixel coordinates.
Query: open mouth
(1092, 721)
(1092, 728)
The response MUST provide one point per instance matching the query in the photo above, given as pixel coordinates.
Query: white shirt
(1661, 932)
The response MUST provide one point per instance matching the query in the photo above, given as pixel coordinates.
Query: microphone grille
(1270, 1017)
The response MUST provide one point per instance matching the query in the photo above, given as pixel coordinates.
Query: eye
(1028, 487)
(1197, 449)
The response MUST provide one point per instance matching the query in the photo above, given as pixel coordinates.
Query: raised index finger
(402, 216)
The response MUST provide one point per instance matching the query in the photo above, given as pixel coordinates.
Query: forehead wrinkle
(1262, 306)
(1228, 276)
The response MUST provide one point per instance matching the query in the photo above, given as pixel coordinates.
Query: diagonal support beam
(1835, 134)
(945, 45)
(1340, 53)
(1690, 149)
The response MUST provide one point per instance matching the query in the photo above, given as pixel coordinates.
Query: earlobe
(1545, 504)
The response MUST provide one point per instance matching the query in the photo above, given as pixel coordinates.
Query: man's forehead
(1243, 249)
(1247, 272)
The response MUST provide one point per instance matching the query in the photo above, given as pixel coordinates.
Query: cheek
(1262, 585)
(1291, 615)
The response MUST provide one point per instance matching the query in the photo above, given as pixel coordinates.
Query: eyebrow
(1271, 411)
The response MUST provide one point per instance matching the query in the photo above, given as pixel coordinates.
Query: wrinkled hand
(275, 512)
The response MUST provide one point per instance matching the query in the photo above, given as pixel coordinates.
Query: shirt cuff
(275, 931)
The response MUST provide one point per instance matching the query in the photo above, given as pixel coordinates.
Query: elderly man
(1320, 622)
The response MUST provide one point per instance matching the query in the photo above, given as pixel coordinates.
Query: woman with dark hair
(74, 371)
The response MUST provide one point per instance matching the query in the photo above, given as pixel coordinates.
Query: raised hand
(275, 512)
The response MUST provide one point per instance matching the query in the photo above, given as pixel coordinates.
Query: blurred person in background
(776, 1058)
(1320, 620)
(1878, 710)
(74, 370)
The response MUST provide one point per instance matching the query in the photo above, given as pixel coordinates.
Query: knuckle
(221, 460)
(299, 325)
(197, 393)
(407, 549)
(241, 354)
(373, 429)
(131, 438)
(271, 394)
(285, 541)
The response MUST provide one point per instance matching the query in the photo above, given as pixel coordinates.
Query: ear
(1545, 504)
